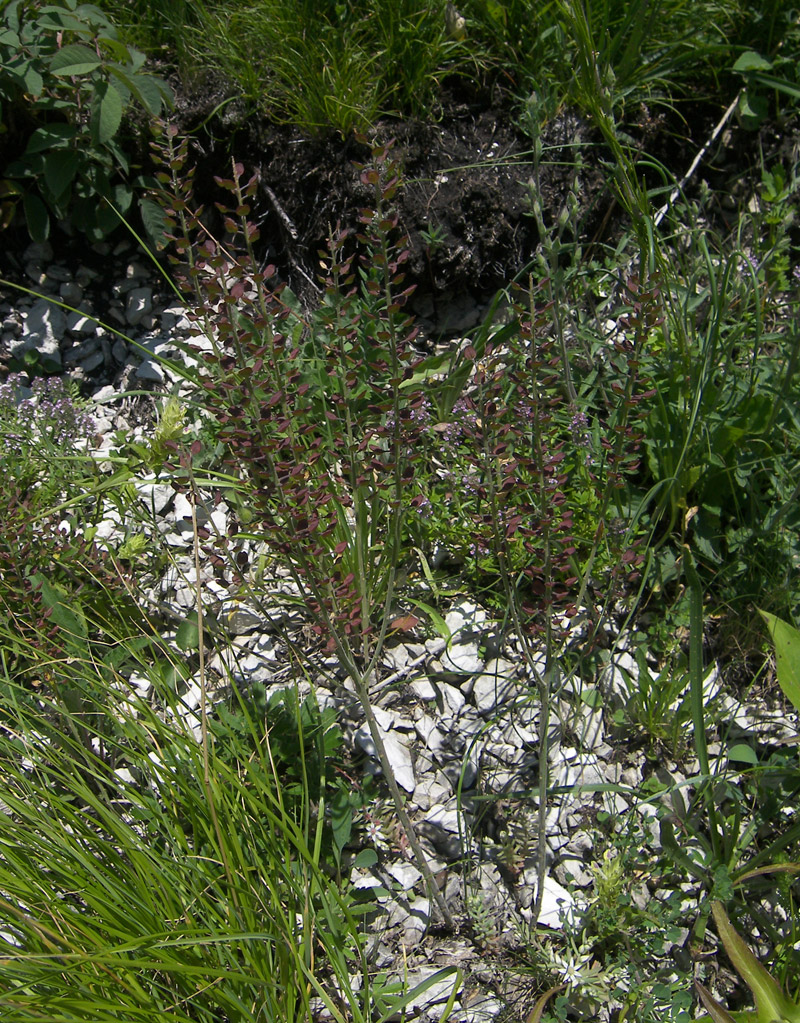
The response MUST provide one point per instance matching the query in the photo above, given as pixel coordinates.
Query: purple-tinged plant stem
(306, 420)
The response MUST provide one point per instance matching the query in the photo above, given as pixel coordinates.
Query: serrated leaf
(60, 168)
(60, 20)
(122, 197)
(150, 91)
(50, 137)
(106, 113)
(122, 89)
(154, 220)
(74, 59)
(786, 639)
(117, 50)
(33, 82)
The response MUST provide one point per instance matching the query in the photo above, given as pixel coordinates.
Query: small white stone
(80, 323)
(453, 698)
(397, 752)
(142, 684)
(465, 615)
(406, 874)
(463, 658)
(156, 497)
(150, 370)
(138, 305)
(423, 688)
(493, 688)
(431, 791)
(429, 733)
(174, 320)
(619, 679)
(557, 904)
(395, 658)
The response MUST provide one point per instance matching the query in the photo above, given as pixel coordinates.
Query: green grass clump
(146, 875)
(341, 65)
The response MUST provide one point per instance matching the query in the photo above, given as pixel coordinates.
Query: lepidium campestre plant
(320, 422)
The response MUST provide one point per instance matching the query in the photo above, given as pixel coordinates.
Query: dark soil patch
(469, 185)
(468, 182)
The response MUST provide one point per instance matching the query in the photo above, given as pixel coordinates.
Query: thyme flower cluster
(45, 412)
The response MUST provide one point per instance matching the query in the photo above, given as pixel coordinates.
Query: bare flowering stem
(420, 857)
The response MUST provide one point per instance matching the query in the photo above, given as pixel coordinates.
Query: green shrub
(65, 82)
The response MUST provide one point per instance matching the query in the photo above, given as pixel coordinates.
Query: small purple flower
(450, 432)
(579, 426)
(421, 412)
(478, 549)
(469, 483)
(49, 413)
(57, 414)
(423, 505)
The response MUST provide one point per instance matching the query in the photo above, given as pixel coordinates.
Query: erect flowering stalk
(317, 417)
(537, 478)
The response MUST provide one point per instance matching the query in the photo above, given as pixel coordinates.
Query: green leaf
(70, 620)
(752, 109)
(36, 217)
(438, 622)
(188, 635)
(771, 1002)
(74, 59)
(150, 91)
(50, 137)
(779, 84)
(118, 51)
(752, 61)
(716, 1012)
(10, 39)
(60, 168)
(366, 858)
(106, 113)
(33, 82)
(341, 819)
(786, 639)
(58, 19)
(154, 220)
(423, 371)
(742, 753)
(592, 697)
